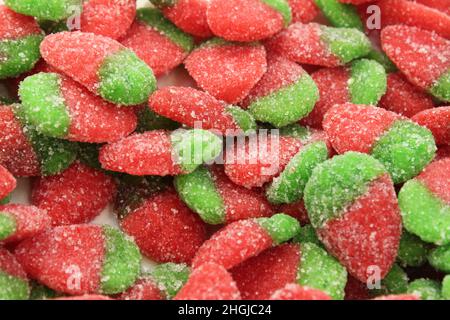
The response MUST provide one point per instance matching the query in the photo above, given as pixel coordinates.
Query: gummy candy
(438, 121)
(54, 10)
(13, 279)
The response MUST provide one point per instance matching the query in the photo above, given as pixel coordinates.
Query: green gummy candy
(195, 147)
(13, 288)
(171, 277)
(41, 292)
(381, 57)
(50, 26)
(289, 185)
(426, 289)
(308, 234)
(54, 155)
(339, 14)
(125, 79)
(395, 282)
(163, 3)
(439, 258)
(122, 262)
(154, 18)
(346, 43)
(367, 83)
(282, 6)
(338, 182)
(287, 105)
(446, 287)
(424, 214)
(5, 200)
(198, 191)
(43, 105)
(54, 10)
(244, 119)
(441, 89)
(7, 225)
(405, 149)
(149, 120)
(280, 227)
(19, 55)
(412, 251)
(321, 271)
(296, 131)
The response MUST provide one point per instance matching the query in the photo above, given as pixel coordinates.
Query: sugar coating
(16, 25)
(354, 1)
(284, 95)
(437, 4)
(67, 198)
(403, 97)
(446, 287)
(164, 228)
(171, 277)
(54, 10)
(209, 281)
(303, 10)
(295, 292)
(188, 15)
(412, 251)
(426, 289)
(109, 18)
(228, 71)
(28, 221)
(368, 82)
(7, 182)
(439, 258)
(247, 20)
(13, 279)
(423, 56)
(437, 120)
(340, 15)
(395, 282)
(414, 14)
(155, 40)
(144, 288)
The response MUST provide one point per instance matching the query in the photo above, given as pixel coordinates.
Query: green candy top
(43, 105)
(346, 43)
(282, 6)
(446, 287)
(426, 289)
(412, 251)
(321, 271)
(441, 89)
(13, 288)
(122, 262)
(308, 234)
(338, 182)
(170, 277)
(198, 191)
(194, 147)
(395, 282)
(125, 79)
(280, 227)
(244, 119)
(7, 225)
(405, 150)
(54, 10)
(367, 83)
(340, 15)
(439, 258)
(154, 18)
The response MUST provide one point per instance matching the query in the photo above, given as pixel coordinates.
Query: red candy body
(7, 182)
(10, 265)
(77, 195)
(295, 292)
(438, 121)
(436, 177)
(143, 289)
(15, 25)
(303, 10)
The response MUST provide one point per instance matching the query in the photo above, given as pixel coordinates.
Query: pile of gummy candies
(336, 183)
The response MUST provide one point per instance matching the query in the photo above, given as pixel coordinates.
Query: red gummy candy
(281, 73)
(76, 195)
(143, 289)
(233, 244)
(404, 98)
(86, 297)
(189, 16)
(346, 126)
(294, 291)
(243, 20)
(443, 152)
(149, 153)
(368, 234)
(259, 277)
(296, 210)
(421, 55)
(192, 108)
(227, 71)
(165, 229)
(9, 265)
(333, 88)
(154, 48)
(7, 182)
(414, 14)
(441, 5)
(16, 152)
(92, 119)
(259, 159)
(15, 25)
(209, 282)
(355, 1)
(240, 203)
(438, 121)
(29, 221)
(302, 43)
(109, 18)
(50, 257)
(57, 50)
(436, 177)
(356, 290)
(303, 11)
